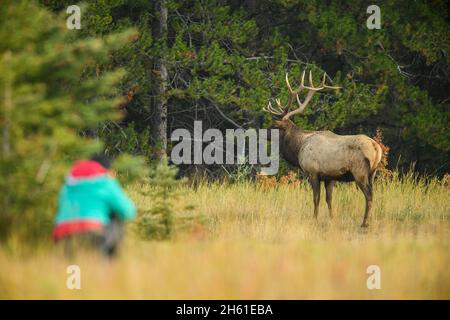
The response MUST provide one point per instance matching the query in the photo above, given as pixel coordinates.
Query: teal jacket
(88, 199)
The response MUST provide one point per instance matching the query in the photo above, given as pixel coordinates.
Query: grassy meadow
(258, 242)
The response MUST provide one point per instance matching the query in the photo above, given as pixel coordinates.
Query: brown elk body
(324, 155)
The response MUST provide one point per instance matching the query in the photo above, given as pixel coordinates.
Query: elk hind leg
(315, 184)
(329, 184)
(365, 184)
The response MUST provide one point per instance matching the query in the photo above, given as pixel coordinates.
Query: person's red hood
(87, 169)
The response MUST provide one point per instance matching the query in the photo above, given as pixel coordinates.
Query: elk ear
(280, 124)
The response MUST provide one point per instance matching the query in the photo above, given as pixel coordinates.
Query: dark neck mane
(291, 142)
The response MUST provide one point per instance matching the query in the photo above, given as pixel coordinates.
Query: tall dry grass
(262, 243)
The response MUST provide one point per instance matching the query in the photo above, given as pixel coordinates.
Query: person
(92, 208)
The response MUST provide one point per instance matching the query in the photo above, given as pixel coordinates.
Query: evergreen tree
(52, 89)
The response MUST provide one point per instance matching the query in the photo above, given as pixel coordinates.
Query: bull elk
(324, 155)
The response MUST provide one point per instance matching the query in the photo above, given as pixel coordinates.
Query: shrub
(383, 171)
(157, 222)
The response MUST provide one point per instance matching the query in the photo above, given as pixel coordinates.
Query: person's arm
(120, 204)
(61, 202)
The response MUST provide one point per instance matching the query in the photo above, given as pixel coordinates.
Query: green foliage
(130, 168)
(240, 173)
(227, 58)
(124, 139)
(50, 89)
(157, 221)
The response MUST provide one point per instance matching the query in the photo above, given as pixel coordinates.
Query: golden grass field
(260, 243)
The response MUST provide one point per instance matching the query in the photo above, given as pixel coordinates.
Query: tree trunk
(6, 142)
(159, 125)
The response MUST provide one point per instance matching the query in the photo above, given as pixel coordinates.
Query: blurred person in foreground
(92, 208)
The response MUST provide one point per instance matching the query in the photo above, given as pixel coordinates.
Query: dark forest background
(221, 61)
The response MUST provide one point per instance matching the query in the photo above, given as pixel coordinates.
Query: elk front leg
(329, 195)
(315, 184)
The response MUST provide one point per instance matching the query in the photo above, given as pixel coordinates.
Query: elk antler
(284, 110)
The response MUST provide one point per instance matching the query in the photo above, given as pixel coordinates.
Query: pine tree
(161, 186)
(52, 88)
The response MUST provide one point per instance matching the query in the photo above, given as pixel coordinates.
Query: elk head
(285, 112)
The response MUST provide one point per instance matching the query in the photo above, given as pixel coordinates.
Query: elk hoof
(365, 225)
